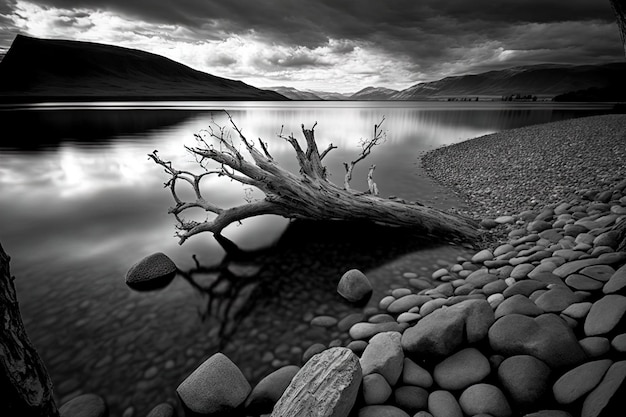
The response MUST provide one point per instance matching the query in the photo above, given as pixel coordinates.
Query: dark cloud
(429, 36)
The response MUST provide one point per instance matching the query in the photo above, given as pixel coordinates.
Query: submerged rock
(152, 272)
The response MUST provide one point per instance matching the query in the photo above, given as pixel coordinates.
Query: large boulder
(333, 375)
(151, 273)
(216, 386)
(384, 355)
(546, 337)
(446, 329)
(354, 286)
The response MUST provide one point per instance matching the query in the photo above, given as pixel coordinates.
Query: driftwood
(307, 195)
(24, 382)
(619, 7)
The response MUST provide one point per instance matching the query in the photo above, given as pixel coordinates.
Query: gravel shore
(535, 166)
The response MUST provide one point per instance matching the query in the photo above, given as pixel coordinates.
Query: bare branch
(330, 148)
(367, 149)
(373, 188)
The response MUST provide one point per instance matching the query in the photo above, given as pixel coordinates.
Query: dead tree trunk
(24, 382)
(619, 7)
(307, 195)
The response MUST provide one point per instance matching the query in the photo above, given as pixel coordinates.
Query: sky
(332, 45)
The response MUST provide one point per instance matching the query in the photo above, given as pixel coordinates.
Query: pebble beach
(532, 323)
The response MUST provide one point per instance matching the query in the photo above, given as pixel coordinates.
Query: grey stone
(617, 281)
(599, 398)
(269, 389)
(525, 378)
(413, 374)
(384, 355)
(464, 368)
(517, 304)
(443, 404)
(484, 399)
(216, 386)
(354, 286)
(411, 398)
(162, 410)
(376, 389)
(367, 330)
(86, 405)
(381, 411)
(152, 272)
(605, 314)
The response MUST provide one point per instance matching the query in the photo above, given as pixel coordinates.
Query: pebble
(407, 302)
(579, 381)
(605, 314)
(599, 398)
(366, 330)
(617, 281)
(462, 369)
(410, 398)
(595, 346)
(324, 321)
(619, 343)
(384, 355)
(381, 411)
(484, 399)
(517, 304)
(354, 286)
(525, 378)
(86, 405)
(413, 374)
(376, 389)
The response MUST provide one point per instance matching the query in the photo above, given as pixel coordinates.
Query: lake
(80, 203)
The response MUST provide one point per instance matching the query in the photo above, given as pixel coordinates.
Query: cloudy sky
(332, 45)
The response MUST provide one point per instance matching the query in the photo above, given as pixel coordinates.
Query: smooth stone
(348, 321)
(583, 282)
(462, 369)
(548, 278)
(484, 399)
(521, 271)
(444, 330)
(152, 272)
(324, 321)
(601, 395)
(505, 219)
(617, 281)
(228, 387)
(599, 272)
(384, 355)
(312, 350)
(609, 238)
(545, 337)
(432, 305)
(407, 302)
(480, 277)
(619, 343)
(575, 266)
(386, 302)
(556, 299)
(542, 267)
(413, 374)
(162, 410)
(525, 378)
(495, 287)
(400, 292)
(408, 317)
(410, 398)
(86, 405)
(381, 411)
(482, 256)
(495, 300)
(488, 224)
(605, 314)
(354, 286)
(502, 249)
(366, 330)
(381, 318)
(357, 346)
(443, 404)
(269, 389)
(578, 310)
(517, 304)
(333, 375)
(595, 346)
(538, 226)
(577, 382)
(440, 273)
(376, 389)
(524, 287)
(549, 413)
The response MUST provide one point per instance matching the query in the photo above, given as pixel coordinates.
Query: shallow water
(81, 202)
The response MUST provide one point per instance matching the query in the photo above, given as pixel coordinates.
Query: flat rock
(216, 386)
(619, 343)
(362, 331)
(595, 346)
(354, 286)
(443, 404)
(578, 310)
(617, 281)
(480, 277)
(86, 405)
(324, 321)
(269, 389)
(599, 398)
(444, 330)
(522, 271)
(575, 266)
(484, 399)
(525, 378)
(583, 282)
(524, 287)
(556, 299)
(464, 368)
(152, 272)
(333, 375)
(162, 410)
(407, 302)
(381, 411)
(518, 304)
(546, 337)
(598, 272)
(384, 355)
(482, 256)
(605, 314)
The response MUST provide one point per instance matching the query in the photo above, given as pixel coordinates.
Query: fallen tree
(307, 195)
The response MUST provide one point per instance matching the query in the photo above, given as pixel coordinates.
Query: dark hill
(36, 69)
(545, 80)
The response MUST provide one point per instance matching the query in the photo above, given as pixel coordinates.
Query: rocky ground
(533, 324)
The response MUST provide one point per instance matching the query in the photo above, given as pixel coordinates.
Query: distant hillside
(326, 95)
(374, 93)
(293, 94)
(545, 80)
(36, 69)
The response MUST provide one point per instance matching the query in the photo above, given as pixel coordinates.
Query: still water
(80, 203)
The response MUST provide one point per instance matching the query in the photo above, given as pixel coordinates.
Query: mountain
(326, 95)
(35, 69)
(547, 80)
(374, 93)
(293, 94)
